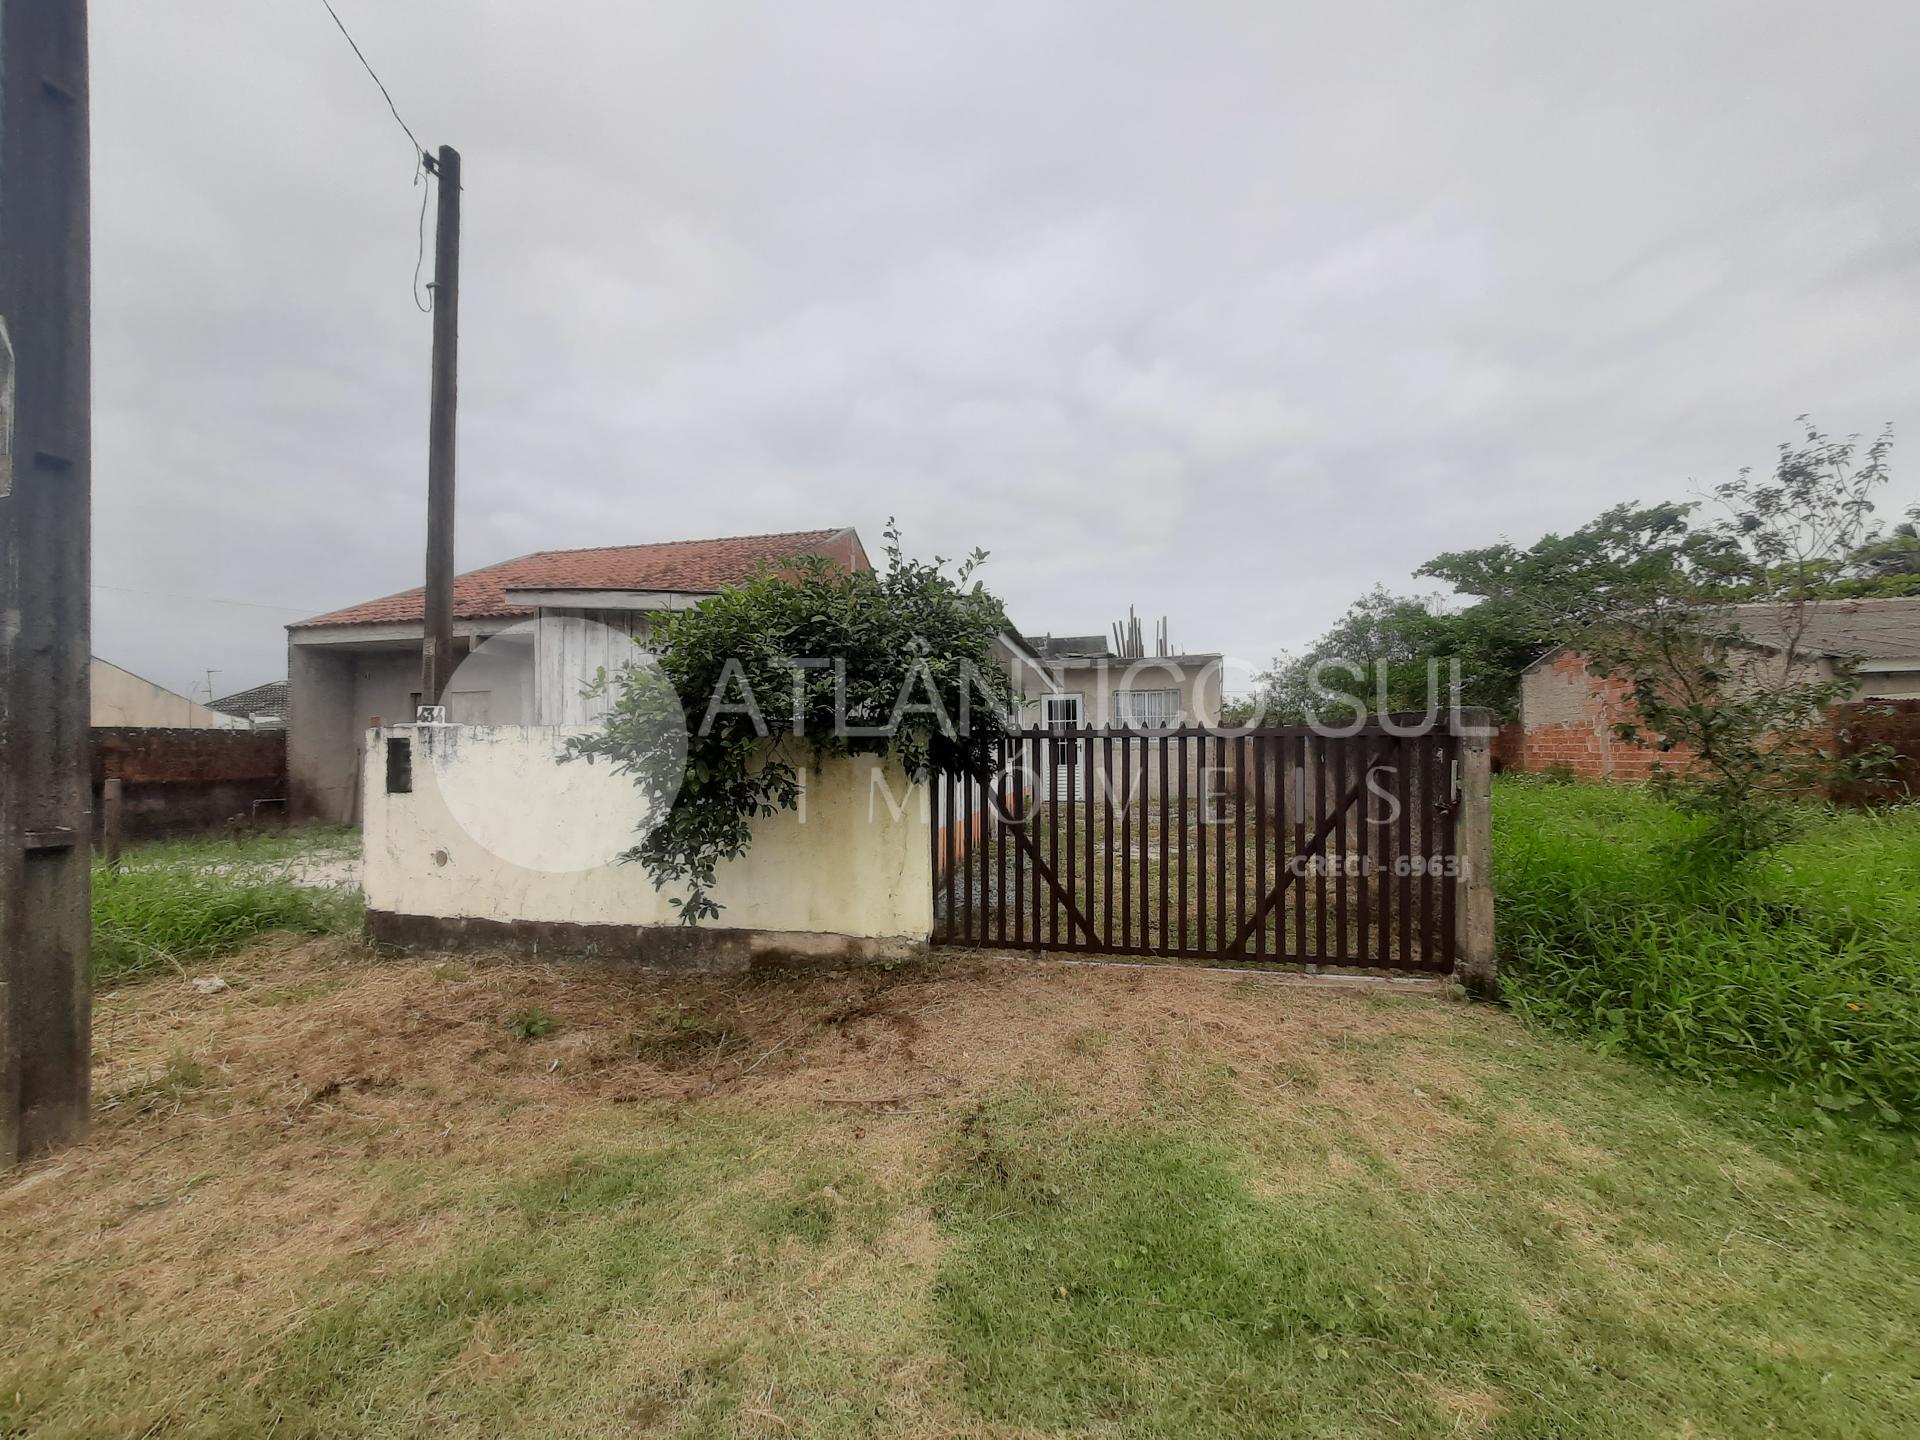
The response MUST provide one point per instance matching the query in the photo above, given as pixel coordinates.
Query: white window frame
(1154, 709)
(1075, 721)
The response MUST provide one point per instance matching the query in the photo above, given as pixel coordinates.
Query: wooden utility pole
(436, 652)
(45, 516)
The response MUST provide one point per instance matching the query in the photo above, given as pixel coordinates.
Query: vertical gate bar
(946, 831)
(983, 805)
(1053, 834)
(1259, 836)
(1430, 751)
(1329, 857)
(1106, 838)
(1364, 823)
(933, 850)
(1417, 847)
(1416, 852)
(1163, 744)
(1281, 809)
(1450, 847)
(1380, 949)
(1106, 833)
(1034, 772)
(1085, 753)
(1320, 869)
(1239, 834)
(1302, 809)
(1000, 870)
(1404, 853)
(1146, 866)
(1183, 840)
(966, 859)
(1019, 818)
(1220, 849)
(985, 902)
(1123, 840)
(1342, 876)
(1070, 831)
(1200, 842)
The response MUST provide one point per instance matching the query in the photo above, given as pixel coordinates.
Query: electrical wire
(209, 600)
(420, 174)
(418, 148)
(422, 162)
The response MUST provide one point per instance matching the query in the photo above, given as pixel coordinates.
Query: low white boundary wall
(510, 846)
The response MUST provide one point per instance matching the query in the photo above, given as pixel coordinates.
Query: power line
(418, 148)
(210, 600)
(423, 167)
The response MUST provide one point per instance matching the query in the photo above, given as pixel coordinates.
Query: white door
(1067, 758)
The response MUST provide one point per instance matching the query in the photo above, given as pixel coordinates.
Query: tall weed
(188, 901)
(1801, 966)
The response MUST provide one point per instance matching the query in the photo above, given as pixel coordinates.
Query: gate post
(1474, 963)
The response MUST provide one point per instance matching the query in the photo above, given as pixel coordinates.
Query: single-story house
(358, 667)
(1568, 713)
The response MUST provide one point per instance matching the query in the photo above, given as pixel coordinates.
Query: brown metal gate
(1276, 845)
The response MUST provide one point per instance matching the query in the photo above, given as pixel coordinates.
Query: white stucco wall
(490, 805)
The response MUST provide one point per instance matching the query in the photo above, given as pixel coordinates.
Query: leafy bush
(150, 918)
(753, 683)
(1801, 967)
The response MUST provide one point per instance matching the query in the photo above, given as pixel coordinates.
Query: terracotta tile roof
(695, 566)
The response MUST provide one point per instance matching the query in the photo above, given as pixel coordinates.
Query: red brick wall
(1584, 744)
(1883, 722)
(152, 755)
(1588, 748)
(179, 782)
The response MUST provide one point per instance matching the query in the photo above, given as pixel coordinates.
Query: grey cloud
(1228, 311)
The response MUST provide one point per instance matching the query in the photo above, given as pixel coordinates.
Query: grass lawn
(972, 1197)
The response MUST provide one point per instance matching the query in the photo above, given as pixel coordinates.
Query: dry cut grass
(971, 1197)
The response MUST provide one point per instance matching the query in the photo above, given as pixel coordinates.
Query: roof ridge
(655, 544)
(701, 564)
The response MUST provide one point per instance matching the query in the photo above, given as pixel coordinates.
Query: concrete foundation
(682, 949)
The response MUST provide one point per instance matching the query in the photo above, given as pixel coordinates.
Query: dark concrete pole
(436, 654)
(45, 378)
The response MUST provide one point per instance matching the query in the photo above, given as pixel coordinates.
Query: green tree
(1894, 556)
(1376, 657)
(787, 669)
(1705, 618)
(1713, 641)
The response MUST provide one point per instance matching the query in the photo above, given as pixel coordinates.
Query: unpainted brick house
(1568, 713)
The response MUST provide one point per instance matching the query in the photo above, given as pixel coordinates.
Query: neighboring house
(122, 699)
(1095, 686)
(1568, 714)
(360, 666)
(1092, 685)
(263, 707)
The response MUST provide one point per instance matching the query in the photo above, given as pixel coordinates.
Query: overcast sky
(1224, 311)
